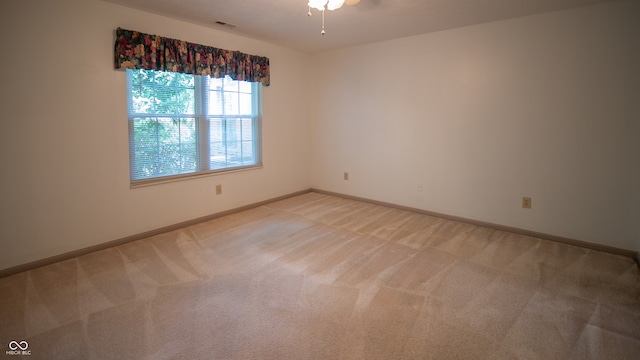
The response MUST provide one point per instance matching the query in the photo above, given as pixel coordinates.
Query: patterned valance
(136, 50)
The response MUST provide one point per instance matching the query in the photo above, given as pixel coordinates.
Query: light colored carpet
(322, 277)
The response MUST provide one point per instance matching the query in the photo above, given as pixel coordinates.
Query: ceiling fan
(323, 5)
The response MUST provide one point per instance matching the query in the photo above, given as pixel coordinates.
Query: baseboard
(165, 229)
(584, 244)
(146, 234)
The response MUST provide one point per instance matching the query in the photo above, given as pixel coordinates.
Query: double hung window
(182, 125)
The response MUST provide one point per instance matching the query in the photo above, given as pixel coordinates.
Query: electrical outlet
(526, 202)
(419, 186)
(346, 175)
(218, 189)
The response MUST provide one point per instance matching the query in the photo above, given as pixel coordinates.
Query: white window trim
(202, 121)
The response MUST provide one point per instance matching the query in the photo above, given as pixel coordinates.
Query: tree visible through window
(181, 124)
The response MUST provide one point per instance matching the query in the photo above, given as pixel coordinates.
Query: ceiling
(285, 22)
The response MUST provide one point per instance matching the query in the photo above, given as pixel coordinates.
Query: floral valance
(136, 50)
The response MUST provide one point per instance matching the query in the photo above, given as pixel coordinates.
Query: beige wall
(65, 165)
(543, 106)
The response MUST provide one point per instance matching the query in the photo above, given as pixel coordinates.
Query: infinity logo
(14, 345)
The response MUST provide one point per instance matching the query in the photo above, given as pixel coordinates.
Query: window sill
(182, 177)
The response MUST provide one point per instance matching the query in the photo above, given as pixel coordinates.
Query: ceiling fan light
(335, 4)
(317, 4)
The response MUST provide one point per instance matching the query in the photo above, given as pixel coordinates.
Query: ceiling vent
(226, 25)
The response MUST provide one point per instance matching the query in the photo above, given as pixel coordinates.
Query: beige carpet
(321, 277)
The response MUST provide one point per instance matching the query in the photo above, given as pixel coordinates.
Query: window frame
(202, 128)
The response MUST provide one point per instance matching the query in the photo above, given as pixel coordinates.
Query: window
(183, 125)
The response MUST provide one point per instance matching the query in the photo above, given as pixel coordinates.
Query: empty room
(291, 179)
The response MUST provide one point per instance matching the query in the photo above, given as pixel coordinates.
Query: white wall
(63, 139)
(545, 106)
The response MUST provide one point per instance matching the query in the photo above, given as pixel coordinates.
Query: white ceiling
(285, 22)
